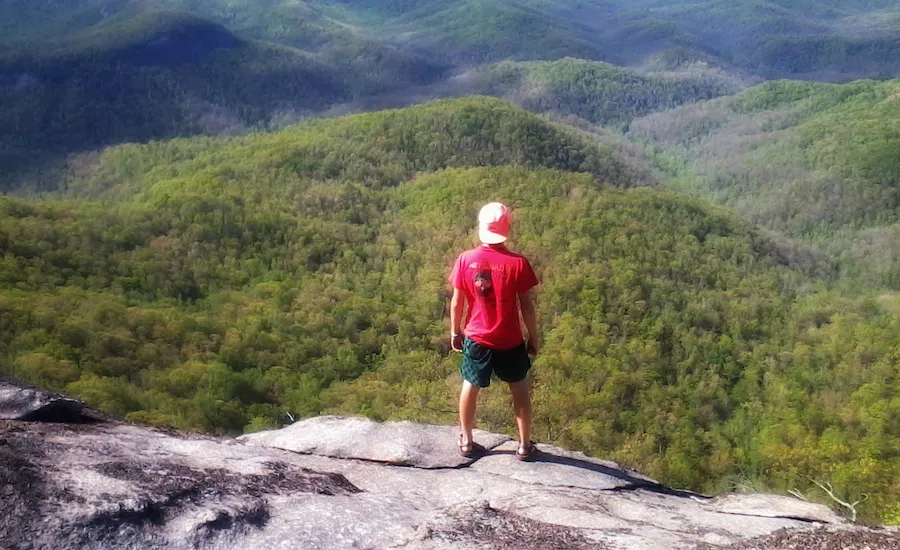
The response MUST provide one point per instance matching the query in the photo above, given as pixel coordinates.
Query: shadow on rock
(633, 482)
(22, 490)
(233, 502)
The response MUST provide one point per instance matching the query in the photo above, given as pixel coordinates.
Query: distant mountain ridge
(753, 36)
(152, 70)
(597, 92)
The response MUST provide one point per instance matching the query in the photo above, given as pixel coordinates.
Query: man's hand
(456, 342)
(533, 346)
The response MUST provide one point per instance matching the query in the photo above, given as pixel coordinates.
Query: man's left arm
(526, 283)
(526, 303)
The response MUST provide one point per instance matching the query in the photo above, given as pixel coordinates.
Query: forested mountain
(595, 91)
(222, 284)
(824, 40)
(375, 150)
(161, 75)
(79, 75)
(816, 161)
(474, 31)
(767, 38)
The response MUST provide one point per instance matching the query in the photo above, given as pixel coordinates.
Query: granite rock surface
(340, 483)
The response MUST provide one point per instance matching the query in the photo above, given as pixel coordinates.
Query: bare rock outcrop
(398, 443)
(21, 401)
(339, 483)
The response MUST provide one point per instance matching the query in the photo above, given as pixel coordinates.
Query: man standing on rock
(491, 284)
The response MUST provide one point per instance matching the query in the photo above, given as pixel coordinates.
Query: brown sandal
(526, 454)
(470, 449)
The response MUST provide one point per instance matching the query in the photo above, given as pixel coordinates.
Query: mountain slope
(596, 91)
(491, 30)
(76, 76)
(375, 150)
(836, 41)
(155, 76)
(814, 161)
(230, 284)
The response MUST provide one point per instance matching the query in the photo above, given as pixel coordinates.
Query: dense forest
(230, 284)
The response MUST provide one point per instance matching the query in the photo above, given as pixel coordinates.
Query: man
(494, 284)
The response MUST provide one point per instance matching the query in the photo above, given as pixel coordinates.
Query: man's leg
(521, 396)
(468, 399)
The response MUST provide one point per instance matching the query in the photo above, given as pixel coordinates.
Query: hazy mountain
(838, 40)
(136, 75)
(77, 75)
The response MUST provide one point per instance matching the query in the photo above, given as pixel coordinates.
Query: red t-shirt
(491, 278)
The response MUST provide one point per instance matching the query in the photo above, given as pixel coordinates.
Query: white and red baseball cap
(493, 223)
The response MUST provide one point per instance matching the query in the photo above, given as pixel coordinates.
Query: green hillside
(292, 24)
(364, 57)
(220, 284)
(376, 150)
(22, 19)
(237, 277)
(819, 40)
(157, 76)
(463, 31)
(491, 30)
(466, 31)
(596, 91)
(814, 161)
(831, 41)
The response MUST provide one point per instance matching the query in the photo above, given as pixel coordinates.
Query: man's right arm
(457, 303)
(526, 302)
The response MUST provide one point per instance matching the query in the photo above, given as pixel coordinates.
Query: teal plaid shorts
(479, 362)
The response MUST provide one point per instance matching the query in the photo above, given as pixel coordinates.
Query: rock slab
(398, 443)
(354, 483)
(21, 401)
